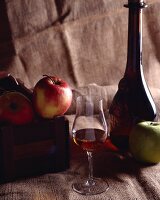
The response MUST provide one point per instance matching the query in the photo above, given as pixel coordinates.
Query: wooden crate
(33, 149)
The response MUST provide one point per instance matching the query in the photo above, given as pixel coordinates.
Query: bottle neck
(134, 57)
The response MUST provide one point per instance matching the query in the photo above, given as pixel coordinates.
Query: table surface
(127, 179)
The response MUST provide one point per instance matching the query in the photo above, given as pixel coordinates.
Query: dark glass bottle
(133, 101)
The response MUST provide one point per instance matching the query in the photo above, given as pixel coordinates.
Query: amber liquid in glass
(89, 139)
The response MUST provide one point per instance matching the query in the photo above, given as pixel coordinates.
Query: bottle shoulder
(133, 98)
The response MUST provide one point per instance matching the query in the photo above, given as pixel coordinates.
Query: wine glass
(89, 131)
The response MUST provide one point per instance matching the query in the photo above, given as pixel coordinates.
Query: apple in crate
(15, 108)
(52, 97)
(144, 141)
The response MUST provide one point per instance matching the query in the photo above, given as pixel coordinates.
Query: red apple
(15, 108)
(52, 96)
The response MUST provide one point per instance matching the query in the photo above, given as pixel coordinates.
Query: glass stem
(90, 180)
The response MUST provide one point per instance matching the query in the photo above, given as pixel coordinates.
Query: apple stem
(57, 81)
(49, 78)
(13, 106)
(153, 124)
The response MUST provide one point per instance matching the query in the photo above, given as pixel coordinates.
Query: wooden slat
(34, 149)
(40, 147)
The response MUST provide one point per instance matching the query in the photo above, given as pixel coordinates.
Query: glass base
(93, 187)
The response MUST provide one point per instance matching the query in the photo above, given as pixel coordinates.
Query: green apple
(144, 142)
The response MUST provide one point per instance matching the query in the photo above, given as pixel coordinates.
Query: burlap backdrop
(82, 41)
